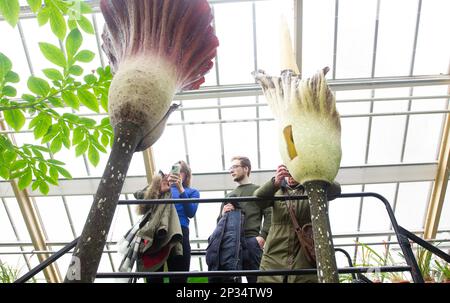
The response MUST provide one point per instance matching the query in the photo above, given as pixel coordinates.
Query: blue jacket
(226, 244)
(185, 210)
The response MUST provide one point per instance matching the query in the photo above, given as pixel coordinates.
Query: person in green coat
(282, 249)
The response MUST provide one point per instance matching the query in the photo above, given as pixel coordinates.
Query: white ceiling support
(220, 181)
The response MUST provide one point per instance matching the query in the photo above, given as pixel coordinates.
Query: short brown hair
(245, 162)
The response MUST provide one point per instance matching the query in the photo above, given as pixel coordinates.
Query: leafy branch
(64, 86)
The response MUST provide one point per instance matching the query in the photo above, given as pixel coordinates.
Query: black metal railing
(403, 237)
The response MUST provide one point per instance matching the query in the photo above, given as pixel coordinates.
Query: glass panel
(344, 212)
(412, 203)
(204, 148)
(444, 223)
(395, 37)
(355, 38)
(79, 207)
(318, 37)
(268, 15)
(15, 52)
(374, 216)
(54, 218)
(17, 218)
(240, 140)
(169, 148)
(269, 152)
(235, 63)
(433, 50)
(7, 234)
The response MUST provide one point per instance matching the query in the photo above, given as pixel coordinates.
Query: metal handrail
(402, 235)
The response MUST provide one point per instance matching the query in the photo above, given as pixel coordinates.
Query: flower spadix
(156, 48)
(309, 124)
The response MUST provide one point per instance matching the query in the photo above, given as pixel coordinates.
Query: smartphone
(175, 169)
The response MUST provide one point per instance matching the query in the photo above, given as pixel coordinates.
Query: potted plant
(444, 270)
(370, 258)
(8, 274)
(423, 257)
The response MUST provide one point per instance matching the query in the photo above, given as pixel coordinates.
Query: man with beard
(256, 220)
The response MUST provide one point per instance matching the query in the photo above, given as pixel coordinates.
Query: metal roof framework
(216, 98)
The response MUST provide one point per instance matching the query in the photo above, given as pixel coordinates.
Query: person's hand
(261, 241)
(280, 174)
(228, 207)
(177, 181)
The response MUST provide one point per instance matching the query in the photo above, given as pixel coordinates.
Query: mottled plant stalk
(88, 252)
(324, 248)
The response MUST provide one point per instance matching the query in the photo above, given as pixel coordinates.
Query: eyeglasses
(233, 167)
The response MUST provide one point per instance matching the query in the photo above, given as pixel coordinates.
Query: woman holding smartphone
(180, 188)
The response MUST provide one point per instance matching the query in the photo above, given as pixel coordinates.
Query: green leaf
(9, 91)
(29, 98)
(38, 86)
(86, 25)
(35, 184)
(53, 74)
(66, 141)
(56, 145)
(88, 99)
(98, 146)
(57, 23)
(90, 79)
(56, 162)
(87, 121)
(15, 118)
(75, 70)
(5, 65)
(50, 180)
(53, 173)
(25, 179)
(42, 123)
(85, 56)
(4, 172)
(73, 43)
(63, 172)
(104, 102)
(43, 188)
(12, 77)
(105, 140)
(53, 54)
(38, 154)
(35, 5)
(71, 117)
(9, 155)
(43, 15)
(51, 133)
(93, 155)
(70, 99)
(43, 167)
(72, 24)
(27, 151)
(78, 135)
(81, 148)
(10, 10)
(19, 164)
(56, 102)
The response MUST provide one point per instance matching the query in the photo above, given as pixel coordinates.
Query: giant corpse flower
(156, 48)
(309, 142)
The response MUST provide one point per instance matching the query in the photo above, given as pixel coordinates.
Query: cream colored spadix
(309, 125)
